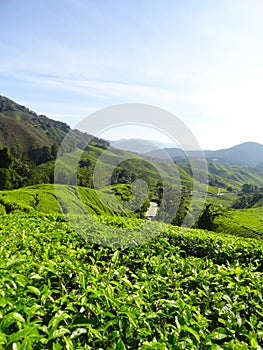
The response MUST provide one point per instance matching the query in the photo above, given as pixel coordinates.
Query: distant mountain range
(140, 146)
(247, 153)
(21, 128)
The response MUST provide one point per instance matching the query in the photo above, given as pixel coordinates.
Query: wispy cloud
(200, 60)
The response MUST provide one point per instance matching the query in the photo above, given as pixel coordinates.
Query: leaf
(254, 342)
(29, 331)
(26, 345)
(95, 332)
(14, 346)
(120, 345)
(34, 290)
(2, 338)
(115, 256)
(54, 322)
(10, 319)
(56, 346)
(77, 332)
(18, 317)
(218, 333)
(192, 331)
(113, 335)
(58, 333)
(36, 276)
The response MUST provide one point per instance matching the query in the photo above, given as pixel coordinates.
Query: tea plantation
(184, 289)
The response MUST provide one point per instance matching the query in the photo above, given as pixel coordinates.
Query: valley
(83, 267)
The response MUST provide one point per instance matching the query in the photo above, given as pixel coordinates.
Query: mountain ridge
(21, 127)
(246, 154)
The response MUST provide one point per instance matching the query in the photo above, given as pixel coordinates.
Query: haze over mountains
(22, 128)
(140, 146)
(247, 153)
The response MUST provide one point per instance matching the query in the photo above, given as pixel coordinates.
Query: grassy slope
(233, 176)
(220, 176)
(242, 222)
(26, 127)
(42, 198)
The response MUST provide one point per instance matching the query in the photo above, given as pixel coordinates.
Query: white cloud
(201, 61)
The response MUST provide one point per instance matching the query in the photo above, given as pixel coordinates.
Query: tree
(54, 150)
(248, 188)
(85, 177)
(5, 179)
(206, 220)
(39, 155)
(5, 158)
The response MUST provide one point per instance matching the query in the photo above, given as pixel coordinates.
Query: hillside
(230, 177)
(22, 129)
(34, 164)
(46, 199)
(247, 153)
(36, 138)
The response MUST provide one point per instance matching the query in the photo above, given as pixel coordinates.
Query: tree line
(19, 169)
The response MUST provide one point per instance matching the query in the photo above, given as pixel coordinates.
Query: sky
(201, 60)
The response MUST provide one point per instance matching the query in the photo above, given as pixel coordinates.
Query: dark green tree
(54, 150)
(206, 220)
(5, 158)
(39, 155)
(5, 179)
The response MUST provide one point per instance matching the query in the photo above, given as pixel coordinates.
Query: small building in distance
(152, 211)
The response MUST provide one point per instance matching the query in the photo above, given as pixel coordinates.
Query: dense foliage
(174, 289)
(249, 196)
(182, 290)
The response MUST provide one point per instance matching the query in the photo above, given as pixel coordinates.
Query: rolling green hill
(111, 279)
(34, 141)
(22, 129)
(232, 176)
(46, 199)
(242, 222)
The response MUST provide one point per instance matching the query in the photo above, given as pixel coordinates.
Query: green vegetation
(242, 222)
(183, 290)
(173, 288)
(238, 214)
(249, 196)
(232, 177)
(37, 140)
(44, 198)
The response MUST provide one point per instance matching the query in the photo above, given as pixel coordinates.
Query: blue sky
(201, 60)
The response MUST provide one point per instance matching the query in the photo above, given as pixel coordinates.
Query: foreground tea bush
(182, 290)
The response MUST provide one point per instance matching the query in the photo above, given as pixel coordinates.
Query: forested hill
(25, 132)
(29, 144)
